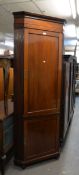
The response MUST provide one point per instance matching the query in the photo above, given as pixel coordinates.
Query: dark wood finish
(37, 86)
(68, 94)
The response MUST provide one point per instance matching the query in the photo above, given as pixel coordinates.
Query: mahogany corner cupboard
(37, 86)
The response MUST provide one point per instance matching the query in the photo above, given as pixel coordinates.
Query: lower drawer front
(41, 137)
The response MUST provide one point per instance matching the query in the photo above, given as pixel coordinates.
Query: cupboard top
(23, 14)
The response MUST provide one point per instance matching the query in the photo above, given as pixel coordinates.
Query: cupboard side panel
(25, 71)
(18, 91)
(59, 72)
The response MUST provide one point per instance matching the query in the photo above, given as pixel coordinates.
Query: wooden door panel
(42, 81)
(41, 136)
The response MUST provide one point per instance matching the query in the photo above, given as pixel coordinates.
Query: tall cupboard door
(41, 126)
(43, 67)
